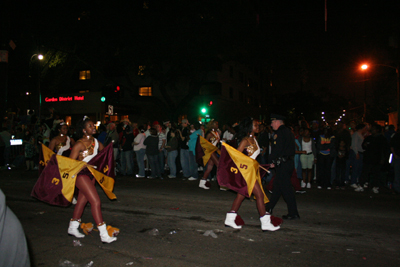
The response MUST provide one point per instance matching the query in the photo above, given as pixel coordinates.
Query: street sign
(110, 110)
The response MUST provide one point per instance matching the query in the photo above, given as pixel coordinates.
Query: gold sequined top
(60, 145)
(88, 151)
(214, 138)
(253, 149)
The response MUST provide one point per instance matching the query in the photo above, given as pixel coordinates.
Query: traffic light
(210, 104)
(203, 110)
(103, 99)
(117, 89)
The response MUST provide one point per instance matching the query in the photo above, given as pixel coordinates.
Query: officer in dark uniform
(281, 158)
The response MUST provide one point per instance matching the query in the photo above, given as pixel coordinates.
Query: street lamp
(365, 66)
(39, 57)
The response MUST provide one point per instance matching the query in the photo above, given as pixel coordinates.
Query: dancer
(213, 137)
(249, 146)
(85, 149)
(61, 144)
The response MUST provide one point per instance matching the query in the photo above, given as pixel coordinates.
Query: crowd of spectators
(355, 155)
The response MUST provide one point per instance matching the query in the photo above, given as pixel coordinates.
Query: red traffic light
(210, 104)
(117, 89)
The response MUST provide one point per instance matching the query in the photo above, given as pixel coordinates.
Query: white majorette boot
(104, 236)
(204, 184)
(73, 229)
(233, 220)
(266, 224)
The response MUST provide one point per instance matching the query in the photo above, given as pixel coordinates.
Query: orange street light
(364, 67)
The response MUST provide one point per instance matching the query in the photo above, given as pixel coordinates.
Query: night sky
(289, 36)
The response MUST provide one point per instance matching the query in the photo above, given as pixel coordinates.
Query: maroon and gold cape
(204, 150)
(56, 183)
(238, 172)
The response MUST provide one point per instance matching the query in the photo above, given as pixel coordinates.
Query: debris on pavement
(77, 243)
(154, 232)
(67, 263)
(211, 233)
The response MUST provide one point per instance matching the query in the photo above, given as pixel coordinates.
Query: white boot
(105, 237)
(266, 224)
(203, 184)
(230, 220)
(73, 229)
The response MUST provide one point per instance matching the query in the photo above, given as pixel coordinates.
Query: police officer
(282, 155)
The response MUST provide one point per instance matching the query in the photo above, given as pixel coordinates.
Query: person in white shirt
(228, 135)
(140, 151)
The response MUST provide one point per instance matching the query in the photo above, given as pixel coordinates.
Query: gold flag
(46, 153)
(106, 182)
(208, 149)
(69, 169)
(248, 167)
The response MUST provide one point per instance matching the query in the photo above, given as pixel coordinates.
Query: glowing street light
(365, 66)
(39, 57)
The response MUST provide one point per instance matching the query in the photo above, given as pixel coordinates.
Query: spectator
(203, 130)
(162, 140)
(46, 131)
(342, 143)
(5, 136)
(192, 129)
(127, 151)
(389, 133)
(194, 174)
(375, 156)
(168, 127)
(228, 135)
(325, 147)
(184, 148)
(172, 149)
(102, 134)
(30, 149)
(315, 131)
(308, 158)
(395, 149)
(358, 153)
(140, 150)
(152, 153)
(112, 137)
(135, 129)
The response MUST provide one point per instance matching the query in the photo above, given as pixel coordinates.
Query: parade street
(172, 222)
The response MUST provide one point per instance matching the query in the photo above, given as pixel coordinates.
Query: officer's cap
(277, 117)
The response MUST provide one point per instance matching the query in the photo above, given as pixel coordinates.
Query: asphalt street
(337, 227)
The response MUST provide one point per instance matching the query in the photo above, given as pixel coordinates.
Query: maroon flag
(199, 153)
(56, 184)
(228, 176)
(44, 157)
(104, 161)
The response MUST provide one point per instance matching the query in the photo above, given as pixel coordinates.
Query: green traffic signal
(103, 99)
(203, 110)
